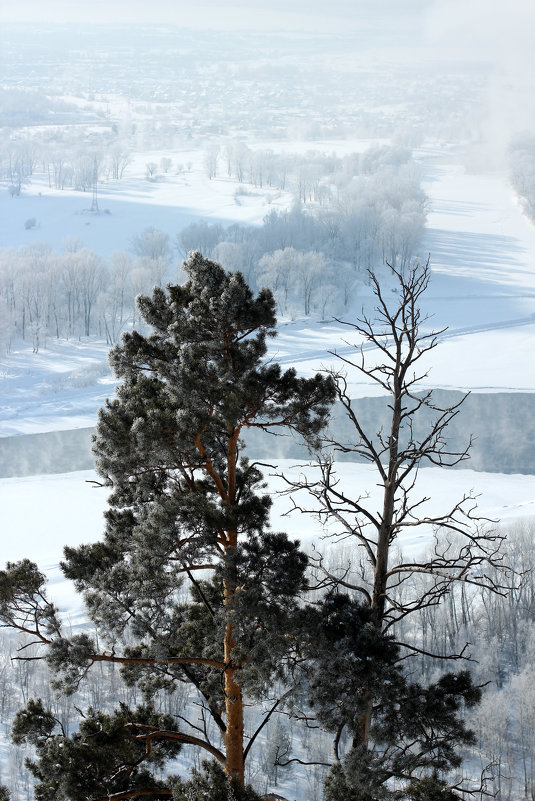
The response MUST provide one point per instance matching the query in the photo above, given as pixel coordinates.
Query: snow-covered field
(169, 204)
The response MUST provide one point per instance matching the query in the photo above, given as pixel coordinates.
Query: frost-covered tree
(210, 782)
(115, 304)
(275, 270)
(151, 244)
(211, 158)
(413, 730)
(119, 160)
(200, 236)
(106, 758)
(293, 274)
(188, 584)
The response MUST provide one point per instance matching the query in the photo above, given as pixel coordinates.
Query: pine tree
(106, 758)
(212, 783)
(188, 584)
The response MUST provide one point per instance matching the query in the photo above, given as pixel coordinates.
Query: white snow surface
(168, 204)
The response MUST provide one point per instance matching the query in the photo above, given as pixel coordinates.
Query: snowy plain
(41, 514)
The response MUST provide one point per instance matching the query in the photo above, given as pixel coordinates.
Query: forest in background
(314, 259)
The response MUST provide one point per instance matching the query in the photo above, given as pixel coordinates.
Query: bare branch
(266, 719)
(299, 761)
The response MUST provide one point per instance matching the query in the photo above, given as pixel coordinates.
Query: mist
(499, 35)
(420, 41)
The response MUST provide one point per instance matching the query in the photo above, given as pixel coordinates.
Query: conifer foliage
(414, 729)
(188, 584)
(106, 758)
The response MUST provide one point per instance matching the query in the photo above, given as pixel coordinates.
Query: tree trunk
(362, 728)
(234, 765)
(378, 600)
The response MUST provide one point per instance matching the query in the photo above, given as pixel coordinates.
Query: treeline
(313, 259)
(75, 293)
(65, 157)
(310, 176)
(367, 210)
(24, 106)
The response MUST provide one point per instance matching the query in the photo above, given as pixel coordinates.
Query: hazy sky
(501, 33)
(475, 26)
(290, 14)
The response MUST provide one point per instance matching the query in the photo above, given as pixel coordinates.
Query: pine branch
(170, 660)
(188, 739)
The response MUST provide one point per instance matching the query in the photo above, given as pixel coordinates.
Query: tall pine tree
(188, 584)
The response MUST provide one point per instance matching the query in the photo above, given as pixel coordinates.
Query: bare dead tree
(391, 346)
